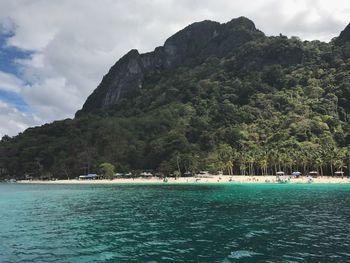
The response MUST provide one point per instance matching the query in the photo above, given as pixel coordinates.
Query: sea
(175, 223)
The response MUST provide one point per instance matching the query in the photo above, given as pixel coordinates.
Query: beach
(213, 179)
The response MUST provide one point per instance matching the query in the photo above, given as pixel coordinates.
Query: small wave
(256, 233)
(242, 254)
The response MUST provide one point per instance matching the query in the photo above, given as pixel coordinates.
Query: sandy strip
(209, 179)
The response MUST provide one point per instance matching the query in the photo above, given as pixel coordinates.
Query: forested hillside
(215, 97)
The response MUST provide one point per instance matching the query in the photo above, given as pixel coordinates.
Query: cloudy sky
(54, 53)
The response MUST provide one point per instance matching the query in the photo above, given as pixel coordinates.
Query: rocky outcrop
(344, 36)
(191, 45)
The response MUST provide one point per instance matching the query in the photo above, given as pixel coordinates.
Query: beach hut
(118, 174)
(296, 174)
(146, 174)
(128, 174)
(88, 177)
(339, 173)
(29, 177)
(187, 174)
(313, 173)
(203, 174)
(280, 173)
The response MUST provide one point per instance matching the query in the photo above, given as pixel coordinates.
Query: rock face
(344, 36)
(191, 45)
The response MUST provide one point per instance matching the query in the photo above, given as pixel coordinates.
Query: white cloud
(13, 121)
(76, 42)
(51, 98)
(9, 82)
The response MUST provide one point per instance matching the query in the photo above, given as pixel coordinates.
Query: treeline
(306, 158)
(272, 104)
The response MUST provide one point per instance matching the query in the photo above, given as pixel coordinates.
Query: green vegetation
(107, 170)
(272, 104)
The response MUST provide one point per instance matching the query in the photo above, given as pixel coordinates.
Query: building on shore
(339, 173)
(146, 174)
(296, 174)
(313, 173)
(203, 174)
(187, 174)
(88, 177)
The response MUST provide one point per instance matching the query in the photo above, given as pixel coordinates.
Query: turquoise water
(174, 223)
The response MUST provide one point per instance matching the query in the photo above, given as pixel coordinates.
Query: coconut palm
(347, 157)
(229, 167)
(304, 160)
(272, 159)
(250, 160)
(263, 166)
(242, 163)
(226, 155)
(319, 163)
(339, 164)
(288, 161)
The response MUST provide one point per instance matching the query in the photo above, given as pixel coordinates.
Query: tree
(263, 165)
(347, 156)
(226, 154)
(5, 138)
(176, 174)
(107, 170)
(164, 168)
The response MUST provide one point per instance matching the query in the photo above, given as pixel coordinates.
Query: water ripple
(174, 223)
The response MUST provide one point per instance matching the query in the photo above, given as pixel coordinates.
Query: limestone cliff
(344, 36)
(191, 45)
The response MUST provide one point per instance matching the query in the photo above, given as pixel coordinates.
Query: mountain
(190, 46)
(213, 97)
(344, 36)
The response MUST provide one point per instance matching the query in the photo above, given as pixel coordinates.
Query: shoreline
(215, 179)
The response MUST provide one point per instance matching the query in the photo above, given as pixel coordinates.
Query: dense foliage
(272, 104)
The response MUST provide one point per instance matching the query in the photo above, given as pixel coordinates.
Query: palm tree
(279, 160)
(229, 167)
(272, 159)
(242, 163)
(243, 168)
(263, 165)
(226, 155)
(304, 158)
(319, 163)
(331, 156)
(250, 160)
(288, 162)
(339, 164)
(347, 156)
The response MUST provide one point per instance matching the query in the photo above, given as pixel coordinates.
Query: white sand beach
(209, 179)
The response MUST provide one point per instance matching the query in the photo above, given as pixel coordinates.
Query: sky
(53, 54)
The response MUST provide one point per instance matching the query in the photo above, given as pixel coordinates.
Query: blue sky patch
(9, 54)
(15, 100)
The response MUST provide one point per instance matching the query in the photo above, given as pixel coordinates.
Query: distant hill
(213, 97)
